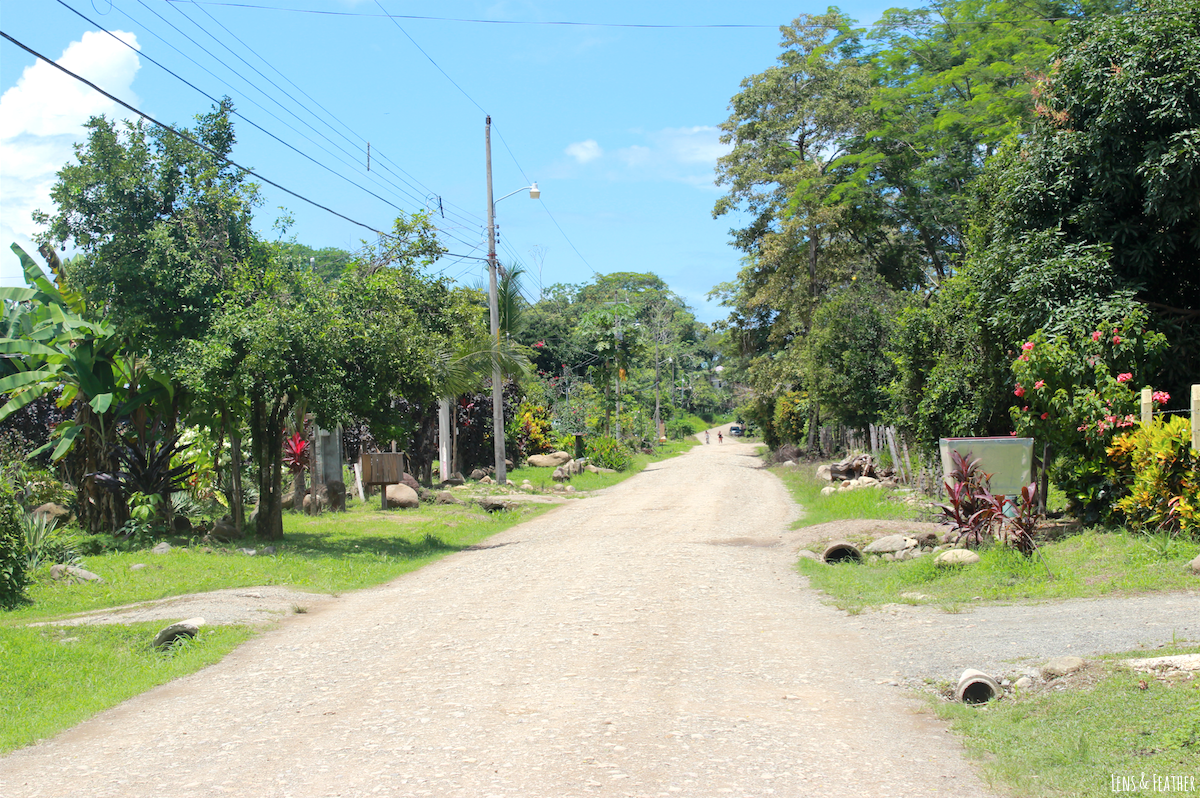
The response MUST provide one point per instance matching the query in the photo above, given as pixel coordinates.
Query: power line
(567, 23)
(215, 100)
(185, 136)
(427, 55)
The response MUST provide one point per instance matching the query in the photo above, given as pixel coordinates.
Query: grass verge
(1110, 730)
(1093, 563)
(54, 677)
(541, 478)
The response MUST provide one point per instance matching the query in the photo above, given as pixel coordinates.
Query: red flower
(1161, 397)
(539, 344)
(1126, 377)
(1027, 346)
(1045, 416)
(1019, 391)
(1096, 335)
(1116, 340)
(1040, 384)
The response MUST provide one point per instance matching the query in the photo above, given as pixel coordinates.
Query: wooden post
(1196, 417)
(1147, 406)
(898, 467)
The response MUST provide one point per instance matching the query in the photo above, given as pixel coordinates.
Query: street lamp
(494, 310)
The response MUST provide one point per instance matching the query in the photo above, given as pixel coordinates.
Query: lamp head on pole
(534, 191)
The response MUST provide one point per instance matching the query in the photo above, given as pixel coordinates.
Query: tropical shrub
(679, 428)
(791, 416)
(1161, 472)
(46, 542)
(607, 452)
(1076, 392)
(13, 575)
(529, 432)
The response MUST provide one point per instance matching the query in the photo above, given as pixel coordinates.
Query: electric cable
(566, 23)
(186, 137)
(248, 121)
(381, 155)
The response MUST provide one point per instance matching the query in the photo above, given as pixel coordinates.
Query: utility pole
(494, 309)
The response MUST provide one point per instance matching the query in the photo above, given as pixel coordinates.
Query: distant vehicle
(736, 429)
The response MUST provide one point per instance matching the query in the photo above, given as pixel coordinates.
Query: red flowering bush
(1083, 395)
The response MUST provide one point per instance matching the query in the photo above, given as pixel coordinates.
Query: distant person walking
(706, 436)
(720, 438)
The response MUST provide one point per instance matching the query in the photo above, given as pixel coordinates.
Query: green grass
(329, 553)
(868, 503)
(54, 677)
(541, 477)
(1093, 563)
(1074, 741)
(49, 682)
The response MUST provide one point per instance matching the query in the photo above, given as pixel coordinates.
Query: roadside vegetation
(1090, 727)
(1109, 730)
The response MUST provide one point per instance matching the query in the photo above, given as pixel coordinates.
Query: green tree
(162, 225)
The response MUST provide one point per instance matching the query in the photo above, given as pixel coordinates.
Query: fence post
(1196, 417)
(1147, 406)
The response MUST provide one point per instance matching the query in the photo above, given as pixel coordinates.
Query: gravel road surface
(651, 640)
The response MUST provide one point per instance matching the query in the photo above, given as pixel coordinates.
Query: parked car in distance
(736, 429)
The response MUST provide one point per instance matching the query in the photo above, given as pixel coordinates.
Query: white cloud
(584, 151)
(700, 144)
(41, 118)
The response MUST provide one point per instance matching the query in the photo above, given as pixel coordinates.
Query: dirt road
(652, 640)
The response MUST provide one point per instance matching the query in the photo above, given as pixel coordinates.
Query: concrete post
(1147, 406)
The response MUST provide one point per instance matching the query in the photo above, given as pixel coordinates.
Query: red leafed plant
(295, 452)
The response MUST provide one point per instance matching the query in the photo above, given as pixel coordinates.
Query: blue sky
(616, 124)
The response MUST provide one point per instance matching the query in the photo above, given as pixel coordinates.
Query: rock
(952, 557)
(269, 550)
(248, 552)
(1061, 666)
(1024, 683)
(183, 525)
(1195, 565)
(887, 556)
(591, 469)
(823, 472)
(161, 548)
(892, 543)
(789, 464)
(487, 481)
(408, 479)
(455, 480)
(478, 474)
(401, 496)
(926, 539)
(73, 573)
(570, 488)
(560, 474)
(224, 531)
(54, 511)
(526, 483)
(866, 481)
(495, 504)
(552, 460)
(188, 628)
(828, 490)
(288, 501)
(446, 497)
(334, 495)
(805, 554)
(137, 566)
(558, 488)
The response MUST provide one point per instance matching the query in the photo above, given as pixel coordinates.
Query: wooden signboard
(382, 468)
